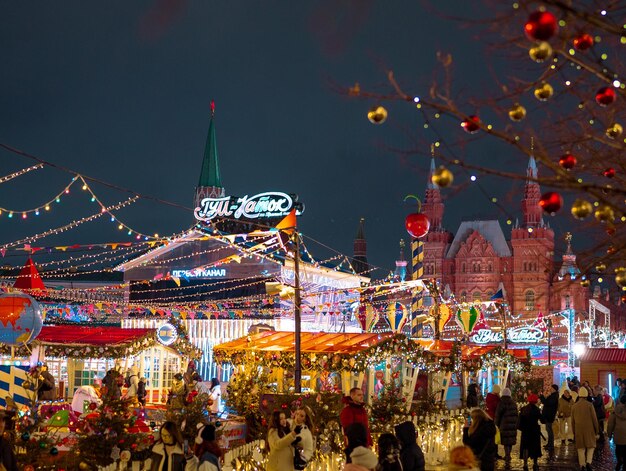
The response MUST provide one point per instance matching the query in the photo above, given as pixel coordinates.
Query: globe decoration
(20, 319)
(397, 315)
(466, 318)
(367, 316)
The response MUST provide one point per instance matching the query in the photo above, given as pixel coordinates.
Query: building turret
(359, 260)
(400, 272)
(568, 267)
(533, 214)
(210, 183)
(433, 206)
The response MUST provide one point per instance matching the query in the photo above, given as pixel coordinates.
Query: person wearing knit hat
(530, 443)
(585, 426)
(532, 398)
(363, 459)
(564, 413)
(506, 420)
(207, 449)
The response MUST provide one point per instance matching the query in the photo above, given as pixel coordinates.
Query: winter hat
(506, 392)
(364, 457)
(208, 433)
(496, 389)
(555, 387)
(582, 392)
(533, 398)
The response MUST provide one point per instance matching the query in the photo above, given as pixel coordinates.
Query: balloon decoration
(551, 202)
(21, 319)
(541, 25)
(466, 318)
(368, 316)
(417, 224)
(397, 316)
(444, 315)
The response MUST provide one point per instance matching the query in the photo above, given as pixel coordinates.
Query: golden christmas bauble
(620, 277)
(605, 214)
(442, 177)
(540, 52)
(517, 113)
(544, 92)
(377, 115)
(600, 267)
(581, 208)
(84, 466)
(614, 131)
(584, 283)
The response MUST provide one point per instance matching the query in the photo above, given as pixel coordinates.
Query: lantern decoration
(442, 177)
(609, 172)
(368, 316)
(583, 41)
(604, 213)
(466, 318)
(416, 224)
(377, 115)
(444, 315)
(568, 161)
(517, 112)
(541, 25)
(614, 131)
(471, 125)
(540, 52)
(605, 96)
(397, 315)
(551, 202)
(581, 208)
(544, 92)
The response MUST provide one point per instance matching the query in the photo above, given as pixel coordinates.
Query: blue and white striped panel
(11, 379)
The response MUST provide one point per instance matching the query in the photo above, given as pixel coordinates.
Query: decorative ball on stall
(471, 125)
(377, 115)
(614, 131)
(605, 96)
(540, 52)
(620, 277)
(544, 92)
(581, 208)
(583, 41)
(54, 451)
(585, 283)
(517, 112)
(442, 177)
(29, 467)
(568, 161)
(93, 406)
(609, 172)
(84, 466)
(541, 25)
(42, 445)
(25, 436)
(604, 214)
(551, 202)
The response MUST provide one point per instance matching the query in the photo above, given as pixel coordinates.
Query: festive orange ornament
(541, 25)
(604, 214)
(614, 131)
(568, 161)
(471, 124)
(517, 112)
(611, 250)
(584, 283)
(544, 92)
(377, 115)
(609, 172)
(442, 177)
(620, 277)
(540, 52)
(583, 41)
(551, 202)
(605, 96)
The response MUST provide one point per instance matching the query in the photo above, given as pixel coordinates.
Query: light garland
(20, 173)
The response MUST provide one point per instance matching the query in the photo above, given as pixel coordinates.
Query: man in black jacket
(598, 405)
(548, 414)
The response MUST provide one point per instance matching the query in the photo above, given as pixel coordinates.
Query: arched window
(476, 297)
(529, 300)
(489, 294)
(525, 266)
(567, 302)
(489, 267)
(463, 267)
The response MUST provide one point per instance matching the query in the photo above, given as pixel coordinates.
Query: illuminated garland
(19, 173)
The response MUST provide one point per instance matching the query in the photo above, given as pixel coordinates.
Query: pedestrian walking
(492, 400)
(585, 426)
(389, 453)
(530, 442)
(548, 414)
(598, 405)
(564, 414)
(617, 431)
(411, 455)
(355, 436)
(479, 434)
(506, 421)
(354, 411)
(207, 450)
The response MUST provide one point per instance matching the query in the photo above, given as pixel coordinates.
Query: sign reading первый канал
(263, 205)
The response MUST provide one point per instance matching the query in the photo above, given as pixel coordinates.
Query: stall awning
(443, 348)
(604, 355)
(96, 336)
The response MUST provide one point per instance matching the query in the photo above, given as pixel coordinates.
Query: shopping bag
(497, 436)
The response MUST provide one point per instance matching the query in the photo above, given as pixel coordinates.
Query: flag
(288, 223)
(498, 295)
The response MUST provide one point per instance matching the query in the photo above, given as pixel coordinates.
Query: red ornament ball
(568, 161)
(93, 406)
(623, 300)
(471, 125)
(609, 172)
(583, 41)
(605, 96)
(551, 202)
(417, 224)
(541, 26)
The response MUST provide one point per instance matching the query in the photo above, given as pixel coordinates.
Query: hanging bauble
(25, 436)
(604, 214)
(605, 96)
(620, 277)
(568, 161)
(583, 41)
(609, 172)
(600, 267)
(544, 92)
(377, 115)
(540, 52)
(54, 451)
(585, 283)
(623, 298)
(442, 177)
(541, 25)
(471, 124)
(610, 229)
(517, 112)
(551, 202)
(581, 208)
(466, 318)
(611, 250)
(417, 224)
(614, 131)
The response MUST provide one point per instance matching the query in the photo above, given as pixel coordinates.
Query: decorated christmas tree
(388, 407)
(194, 412)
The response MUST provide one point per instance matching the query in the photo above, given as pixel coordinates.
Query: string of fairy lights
(19, 173)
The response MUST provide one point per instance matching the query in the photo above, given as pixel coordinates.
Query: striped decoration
(417, 264)
(11, 379)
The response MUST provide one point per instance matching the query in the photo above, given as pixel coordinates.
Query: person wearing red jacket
(492, 400)
(354, 411)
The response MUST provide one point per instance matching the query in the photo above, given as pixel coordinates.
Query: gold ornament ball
(604, 214)
(620, 277)
(584, 283)
(544, 92)
(517, 113)
(442, 177)
(540, 52)
(600, 267)
(581, 208)
(377, 115)
(614, 131)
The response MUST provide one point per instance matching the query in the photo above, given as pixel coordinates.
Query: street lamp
(579, 349)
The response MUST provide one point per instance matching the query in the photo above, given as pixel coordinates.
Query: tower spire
(401, 263)
(359, 262)
(532, 193)
(433, 206)
(210, 182)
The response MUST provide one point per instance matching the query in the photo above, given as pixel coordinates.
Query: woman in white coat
(215, 394)
(303, 426)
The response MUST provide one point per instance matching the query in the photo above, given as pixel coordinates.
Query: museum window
(463, 268)
(567, 302)
(476, 297)
(530, 300)
(463, 296)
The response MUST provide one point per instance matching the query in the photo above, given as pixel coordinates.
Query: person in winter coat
(141, 392)
(598, 405)
(279, 439)
(46, 390)
(354, 411)
(617, 431)
(492, 400)
(177, 393)
(506, 421)
(389, 453)
(548, 414)
(355, 436)
(132, 379)
(215, 394)
(530, 443)
(207, 449)
(472, 396)
(480, 436)
(167, 453)
(462, 459)
(305, 442)
(564, 413)
(585, 427)
(7, 455)
(411, 455)
(362, 459)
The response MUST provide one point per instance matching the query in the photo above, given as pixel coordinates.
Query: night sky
(121, 91)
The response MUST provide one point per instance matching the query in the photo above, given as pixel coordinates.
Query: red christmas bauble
(605, 96)
(583, 41)
(541, 25)
(551, 202)
(623, 300)
(471, 124)
(93, 406)
(568, 161)
(609, 172)
(417, 224)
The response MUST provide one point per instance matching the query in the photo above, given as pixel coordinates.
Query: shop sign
(200, 273)
(263, 205)
(515, 335)
(166, 334)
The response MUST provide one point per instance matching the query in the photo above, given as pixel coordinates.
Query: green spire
(210, 173)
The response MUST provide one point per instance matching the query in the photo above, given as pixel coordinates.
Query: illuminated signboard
(200, 273)
(264, 205)
(166, 334)
(516, 335)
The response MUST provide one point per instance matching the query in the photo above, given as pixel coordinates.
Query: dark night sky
(120, 91)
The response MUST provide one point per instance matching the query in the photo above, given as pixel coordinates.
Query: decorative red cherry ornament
(551, 202)
(609, 172)
(605, 96)
(568, 161)
(471, 125)
(583, 41)
(541, 26)
(417, 224)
